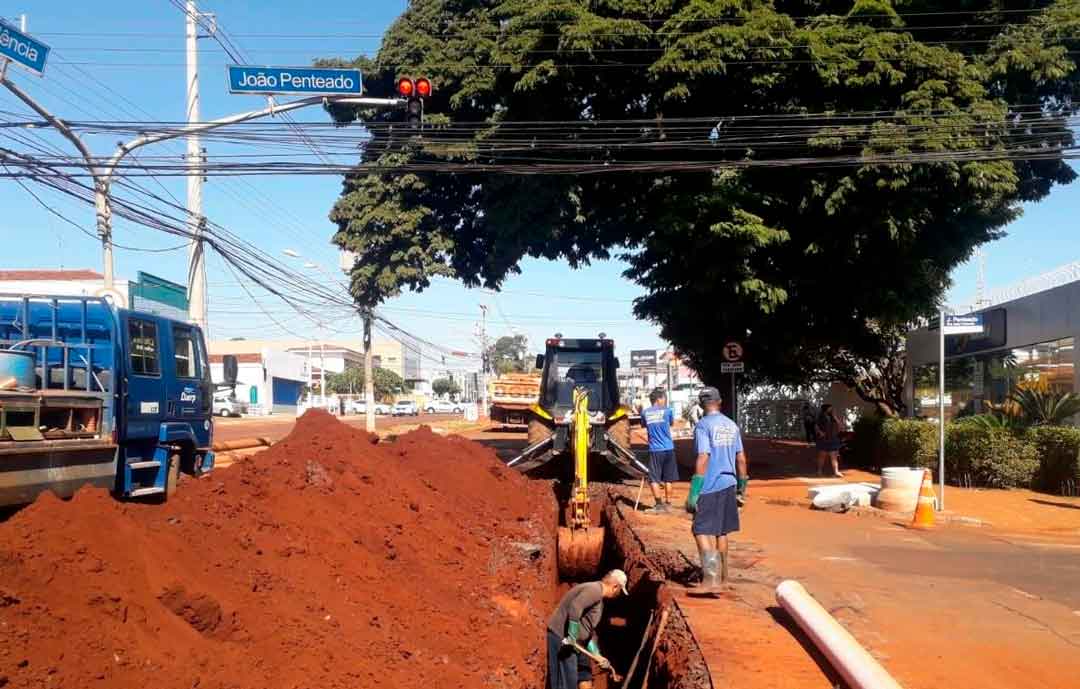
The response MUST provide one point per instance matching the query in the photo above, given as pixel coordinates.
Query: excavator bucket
(580, 551)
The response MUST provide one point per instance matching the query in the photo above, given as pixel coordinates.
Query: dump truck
(99, 395)
(511, 395)
(578, 416)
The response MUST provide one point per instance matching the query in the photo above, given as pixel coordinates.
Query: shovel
(615, 676)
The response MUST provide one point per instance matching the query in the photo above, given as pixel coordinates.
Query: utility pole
(369, 375)
(196, 221)
(483, 361)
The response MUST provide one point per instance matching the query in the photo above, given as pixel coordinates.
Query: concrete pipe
(858, 668)
(240, 444)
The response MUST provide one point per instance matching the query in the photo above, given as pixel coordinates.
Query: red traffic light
(423, 87)
(405, 86)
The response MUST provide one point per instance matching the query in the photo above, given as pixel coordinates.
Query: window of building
(972, 382)
(142, 340)
(184, 352)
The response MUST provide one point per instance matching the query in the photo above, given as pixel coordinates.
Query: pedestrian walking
(809, 420)
(573, 624)
(717, 489)
(663, 471)
(827, 431)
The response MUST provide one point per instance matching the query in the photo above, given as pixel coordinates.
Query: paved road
(277, 427)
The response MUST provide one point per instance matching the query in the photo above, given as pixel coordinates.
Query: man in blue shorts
(717, 489)
(662, 468)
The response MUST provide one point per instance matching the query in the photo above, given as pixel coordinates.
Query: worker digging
(663, 470)
(717, 488)
(571, 633)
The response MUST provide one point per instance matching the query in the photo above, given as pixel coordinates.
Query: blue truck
(95, 394)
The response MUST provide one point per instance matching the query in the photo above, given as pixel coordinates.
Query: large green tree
(351, 381)
(508, 354)
(801, 175)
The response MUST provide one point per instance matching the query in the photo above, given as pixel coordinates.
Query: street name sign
(22, 49)
(971, 324)
(732, 367)
(294, 81)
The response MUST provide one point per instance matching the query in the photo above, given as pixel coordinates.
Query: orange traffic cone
(924, 510)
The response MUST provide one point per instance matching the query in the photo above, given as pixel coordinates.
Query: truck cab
(104, 396)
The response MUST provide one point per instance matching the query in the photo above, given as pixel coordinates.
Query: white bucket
(899, 489)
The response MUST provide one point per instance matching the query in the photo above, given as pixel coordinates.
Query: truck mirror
(617, 364)
(539, 361)
(229, 368)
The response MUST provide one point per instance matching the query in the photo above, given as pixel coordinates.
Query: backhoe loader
(577, 416)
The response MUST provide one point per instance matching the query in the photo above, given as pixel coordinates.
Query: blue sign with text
(294, 81)
(20, 48)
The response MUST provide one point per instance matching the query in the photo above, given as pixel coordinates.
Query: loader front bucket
(580, 551)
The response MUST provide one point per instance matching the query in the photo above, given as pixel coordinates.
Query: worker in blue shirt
(717, 489)
(662, 468)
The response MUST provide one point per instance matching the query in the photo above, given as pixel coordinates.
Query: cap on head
(618, 577)
(708, 395)
(657, 395)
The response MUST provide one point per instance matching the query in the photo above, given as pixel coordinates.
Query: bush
(864, 449)
(1058, 450)
(996, 457)
(909, 443)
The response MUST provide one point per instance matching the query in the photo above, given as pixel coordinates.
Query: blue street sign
(294, 81)
(970, 324)
(22, 49)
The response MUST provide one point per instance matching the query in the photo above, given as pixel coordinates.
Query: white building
(271, 381)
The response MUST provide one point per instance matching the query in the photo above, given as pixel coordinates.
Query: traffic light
(414, 92)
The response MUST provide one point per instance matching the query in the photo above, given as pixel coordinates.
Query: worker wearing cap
(662, 468)
(573, 627)
(718, 487)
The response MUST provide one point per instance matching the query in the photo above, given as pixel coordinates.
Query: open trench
(645, 632)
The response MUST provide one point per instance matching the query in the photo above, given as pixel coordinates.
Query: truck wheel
(619, 431)
(538, 430)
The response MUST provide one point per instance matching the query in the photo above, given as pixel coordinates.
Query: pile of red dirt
(329, 560)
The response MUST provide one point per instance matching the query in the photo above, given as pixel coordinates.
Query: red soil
(326, 561)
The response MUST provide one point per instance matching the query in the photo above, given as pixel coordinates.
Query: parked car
(405, 408)
(224, 406)
(360, 407)
(444, 407)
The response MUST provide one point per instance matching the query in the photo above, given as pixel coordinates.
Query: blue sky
(124, 59)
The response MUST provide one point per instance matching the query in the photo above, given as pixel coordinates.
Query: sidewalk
(783, 470)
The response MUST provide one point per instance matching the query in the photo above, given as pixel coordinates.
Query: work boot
(710, 569)
(659, 508)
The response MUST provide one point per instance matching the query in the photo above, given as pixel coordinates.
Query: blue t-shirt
(717, 436)
(658, 421)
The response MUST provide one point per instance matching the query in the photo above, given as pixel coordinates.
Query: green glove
(696, 484)
(741, 486)
(593, 648)
(572, 630)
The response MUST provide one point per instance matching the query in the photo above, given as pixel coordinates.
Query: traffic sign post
(946, 325)
(733, 364)
(18, 47)
(294, 81)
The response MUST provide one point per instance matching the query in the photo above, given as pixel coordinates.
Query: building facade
(1028, 341)
(270, 381)
(147, 293)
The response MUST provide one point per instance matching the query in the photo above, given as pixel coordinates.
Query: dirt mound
(329, 560)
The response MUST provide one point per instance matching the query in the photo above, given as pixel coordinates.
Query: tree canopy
(801, 175)
(508, 354)
(445, 386)
(351, 381)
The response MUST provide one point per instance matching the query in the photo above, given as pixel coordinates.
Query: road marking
(834, 558)
(1025, 594)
